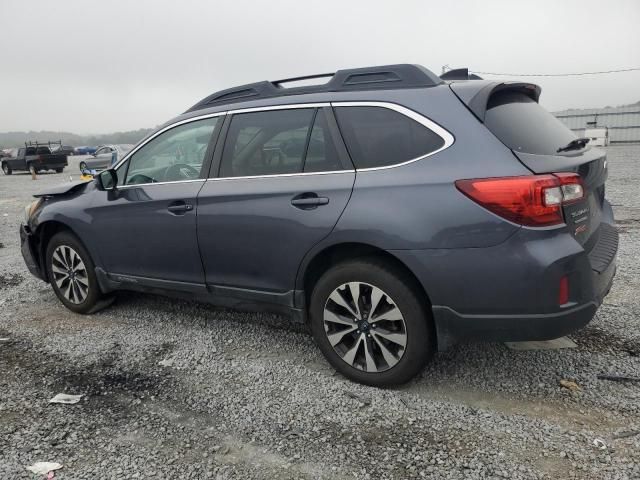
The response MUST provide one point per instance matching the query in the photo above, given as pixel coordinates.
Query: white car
(104, 157)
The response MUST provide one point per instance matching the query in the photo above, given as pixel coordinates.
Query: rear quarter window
(379, 137)
(524, 126)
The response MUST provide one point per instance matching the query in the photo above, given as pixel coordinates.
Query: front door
(283, 183)
(147, 226)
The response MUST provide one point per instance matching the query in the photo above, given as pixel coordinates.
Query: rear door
(284, 180)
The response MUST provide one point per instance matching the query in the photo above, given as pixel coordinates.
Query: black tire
(408, 298)
(93, 295)
(6, 169)
(59, 170)
(83, 166)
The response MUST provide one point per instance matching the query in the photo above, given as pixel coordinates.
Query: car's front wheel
(72, 274)
(372, 322)
(6, 169)
(83, 166)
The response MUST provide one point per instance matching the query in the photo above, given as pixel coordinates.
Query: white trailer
(599, 136)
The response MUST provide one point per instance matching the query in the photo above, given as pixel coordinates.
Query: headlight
(29, 209)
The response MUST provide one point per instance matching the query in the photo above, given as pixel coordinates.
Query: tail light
(532, 200)
(563, 291)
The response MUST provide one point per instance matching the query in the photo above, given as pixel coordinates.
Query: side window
(266, 143)
(177, 154)
(378, 136)
(322, 155)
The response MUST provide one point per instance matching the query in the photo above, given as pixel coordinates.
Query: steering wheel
(139, 179)
(181, 171)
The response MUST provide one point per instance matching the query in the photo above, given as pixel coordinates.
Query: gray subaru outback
(395, 211)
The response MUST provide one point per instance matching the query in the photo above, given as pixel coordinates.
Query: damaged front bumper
(29, 252)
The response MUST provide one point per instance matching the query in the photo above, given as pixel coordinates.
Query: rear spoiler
(475, 95)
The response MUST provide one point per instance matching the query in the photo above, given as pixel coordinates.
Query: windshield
(524, 126)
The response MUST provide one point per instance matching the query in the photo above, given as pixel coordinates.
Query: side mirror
(108, 180)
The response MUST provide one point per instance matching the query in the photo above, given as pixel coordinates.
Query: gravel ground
(249, 396)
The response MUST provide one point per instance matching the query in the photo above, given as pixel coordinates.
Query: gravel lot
(249, 396)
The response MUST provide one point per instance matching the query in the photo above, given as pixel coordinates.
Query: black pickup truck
(36, 155)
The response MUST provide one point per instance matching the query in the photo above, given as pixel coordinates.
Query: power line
(557, 74)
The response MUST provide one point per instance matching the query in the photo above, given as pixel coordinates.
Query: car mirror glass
(108, 180)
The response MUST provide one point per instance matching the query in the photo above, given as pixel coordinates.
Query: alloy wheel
(70, 274)
(365, 327)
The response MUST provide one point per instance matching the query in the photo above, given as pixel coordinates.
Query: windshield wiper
(576, 144)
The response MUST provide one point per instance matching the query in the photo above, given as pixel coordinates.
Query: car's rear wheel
(6, 169)
(72, 273)
(372, 323)
(83, 166)
(59, 170)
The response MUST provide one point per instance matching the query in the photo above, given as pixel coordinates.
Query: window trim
(444, 134)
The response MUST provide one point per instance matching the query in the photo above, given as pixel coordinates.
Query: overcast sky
(95, 66)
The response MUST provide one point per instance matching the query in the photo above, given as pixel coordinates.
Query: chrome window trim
(446, 136)
(275, 175)
(138, 185)
(280, 107)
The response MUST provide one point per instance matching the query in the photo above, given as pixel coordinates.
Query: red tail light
(563, 291)
(532, 200)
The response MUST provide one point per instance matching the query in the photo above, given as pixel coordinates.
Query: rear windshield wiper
(576, 144)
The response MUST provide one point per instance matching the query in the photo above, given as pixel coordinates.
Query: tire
(83, 166)
(392, 287)
(6, 169)
(85, 295)
(59, 170)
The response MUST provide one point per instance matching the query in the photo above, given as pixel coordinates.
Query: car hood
(63, 188)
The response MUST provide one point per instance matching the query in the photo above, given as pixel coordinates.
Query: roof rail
(368, 78)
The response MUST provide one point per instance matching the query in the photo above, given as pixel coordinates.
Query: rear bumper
(509, 292)
(29, 253)
(453, 326)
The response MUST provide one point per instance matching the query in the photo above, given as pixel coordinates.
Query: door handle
(180, 207)
(308, 201)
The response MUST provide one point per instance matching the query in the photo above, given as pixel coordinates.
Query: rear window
(378, 136)
(524, 126)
